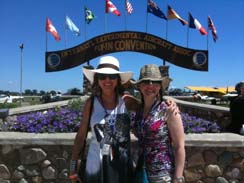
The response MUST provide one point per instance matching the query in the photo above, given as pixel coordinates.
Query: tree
(34, 92)
(42, 92)
(53, 92)
(28, 92)
(74, 91)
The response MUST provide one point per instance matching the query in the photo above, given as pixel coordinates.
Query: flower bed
(52, 120)
(67, 119)
(192, 124)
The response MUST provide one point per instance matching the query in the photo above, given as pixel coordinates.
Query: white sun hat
(107, 65)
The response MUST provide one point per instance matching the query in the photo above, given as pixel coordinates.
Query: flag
(50, 28)
(89, 15)
(71, 26)
(154, 9)
(129, 7)
(212, 28)
(195, 24)
(111, 8)
(173, 15)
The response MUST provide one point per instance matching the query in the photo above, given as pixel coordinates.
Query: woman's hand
(172, 108)
(74, 178)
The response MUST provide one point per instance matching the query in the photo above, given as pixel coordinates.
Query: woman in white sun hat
(109, 149)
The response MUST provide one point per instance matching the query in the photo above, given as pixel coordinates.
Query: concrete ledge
(201, 106)
(215, 140)
(18, 138)
(196, 140)
(40, 107)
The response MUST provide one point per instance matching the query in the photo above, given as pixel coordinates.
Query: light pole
(21, 46)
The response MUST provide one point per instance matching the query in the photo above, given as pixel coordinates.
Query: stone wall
(44, 158)
(214, 158)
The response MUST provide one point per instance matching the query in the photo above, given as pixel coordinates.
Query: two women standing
(109, 117)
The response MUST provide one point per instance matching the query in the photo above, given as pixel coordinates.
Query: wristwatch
(180, 179)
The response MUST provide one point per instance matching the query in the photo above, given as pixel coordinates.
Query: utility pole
(21, 46)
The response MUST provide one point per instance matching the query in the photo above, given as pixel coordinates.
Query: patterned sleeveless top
(154, 138)
(114, 129)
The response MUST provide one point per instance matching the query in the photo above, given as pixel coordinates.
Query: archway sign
(127, 41)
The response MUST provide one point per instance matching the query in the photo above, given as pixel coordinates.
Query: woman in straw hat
(159, 130)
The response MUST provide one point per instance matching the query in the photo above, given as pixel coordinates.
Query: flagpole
(166, 37)
(207, 34)
(21, 46)
(46, 34)
(166, 34)
(85, 23)
(65, 34)
(125, 17)
(88, 62)
(187, 37)
(105, 19)
(147, 17)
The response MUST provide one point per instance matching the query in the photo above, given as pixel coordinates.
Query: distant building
(86, 83)
(165, 74)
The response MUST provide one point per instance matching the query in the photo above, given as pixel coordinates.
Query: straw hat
(150, 72)
(107, 65)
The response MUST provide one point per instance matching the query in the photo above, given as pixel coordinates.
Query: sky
(23, 21)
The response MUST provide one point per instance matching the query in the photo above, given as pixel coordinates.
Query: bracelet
(74, 176)
(180, 179)
(73, 165)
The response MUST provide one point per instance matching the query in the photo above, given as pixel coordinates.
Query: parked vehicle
(49, 97)
(231, 94)
(10, 98)
(3, 99)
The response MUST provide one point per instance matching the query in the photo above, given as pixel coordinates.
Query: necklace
(105, 110)
(145, 113)
(112, 106)
(108, 117)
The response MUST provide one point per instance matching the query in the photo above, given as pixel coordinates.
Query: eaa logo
(199, 59)
(53, 60)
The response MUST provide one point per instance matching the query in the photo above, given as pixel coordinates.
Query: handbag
(83, 156)
(140, 172)
(141, 176)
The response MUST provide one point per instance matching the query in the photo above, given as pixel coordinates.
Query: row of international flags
(151, 8)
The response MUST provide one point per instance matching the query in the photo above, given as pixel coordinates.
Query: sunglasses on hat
(104, 76)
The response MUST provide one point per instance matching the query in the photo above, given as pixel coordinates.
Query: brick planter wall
(37, 158)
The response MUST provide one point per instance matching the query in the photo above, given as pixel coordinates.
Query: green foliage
(74, 91)
(9, 105)
(75, 104)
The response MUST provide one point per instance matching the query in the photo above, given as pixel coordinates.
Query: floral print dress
(154, 139)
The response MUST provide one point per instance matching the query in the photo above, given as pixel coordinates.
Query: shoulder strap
(90, 113)
(88, 128)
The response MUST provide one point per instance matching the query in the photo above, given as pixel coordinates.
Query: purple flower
(68, 120)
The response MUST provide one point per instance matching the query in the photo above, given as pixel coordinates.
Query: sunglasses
(148, 82)
(104, 76)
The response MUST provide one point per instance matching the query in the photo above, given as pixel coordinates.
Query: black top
(237, 114)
